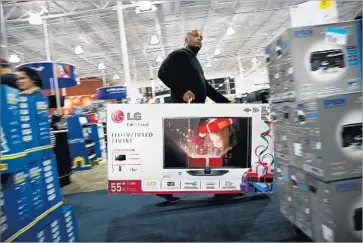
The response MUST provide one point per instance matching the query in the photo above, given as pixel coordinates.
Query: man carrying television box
(183, 74)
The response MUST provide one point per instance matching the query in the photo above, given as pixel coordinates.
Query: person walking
(183, 74)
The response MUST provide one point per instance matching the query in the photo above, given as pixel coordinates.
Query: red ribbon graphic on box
(260, 152)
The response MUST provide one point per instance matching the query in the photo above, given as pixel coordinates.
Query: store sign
(181, 148)
(112, 93)
(314, 13)
(65, 73)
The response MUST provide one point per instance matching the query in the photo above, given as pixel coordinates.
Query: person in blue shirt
(29, 81)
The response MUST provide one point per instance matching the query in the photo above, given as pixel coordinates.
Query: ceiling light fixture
(78, 50)
(217, 52)
(116, 77)
(101, 66)
(14, 58)
(159, 59)
(154, 40)
(209, 65)
(35, 19)
(230, 31)
(145, 6)
(254, 60)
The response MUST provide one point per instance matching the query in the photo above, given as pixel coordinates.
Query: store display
(112, 93)
(189, 150)
(285, 189)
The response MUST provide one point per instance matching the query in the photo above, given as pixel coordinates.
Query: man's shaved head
(194, 39)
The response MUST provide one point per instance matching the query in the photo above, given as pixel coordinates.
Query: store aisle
(102, 217)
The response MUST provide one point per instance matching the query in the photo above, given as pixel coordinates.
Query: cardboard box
(301, 201)
(316, 61)
(70, 223)
(336, 210)
(285, 190)
(333, 136)
(11, 131)
(17, 203)
(37, 188)
(52, 187)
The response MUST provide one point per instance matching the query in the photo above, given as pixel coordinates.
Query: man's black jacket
(9, 80)
(181, 71)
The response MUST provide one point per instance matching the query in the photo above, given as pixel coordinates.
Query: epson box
(316, 61)
(336, 210)
(333, 136)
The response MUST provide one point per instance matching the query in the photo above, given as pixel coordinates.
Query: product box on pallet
(52, 187)
(37, 188)
(17, 204)
(301, 201)
(30, 125)
(71, 230)
(56, 230)
(11, 131)
(41, 106)
(285, 189)
(316, 61)
(336, 210)
(333, 136)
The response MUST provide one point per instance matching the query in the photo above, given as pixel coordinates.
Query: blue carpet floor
(136, 218)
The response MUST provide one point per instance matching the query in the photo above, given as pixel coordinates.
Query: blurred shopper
(183, 74)
(148, 98)
(29, 81)
(7, 77)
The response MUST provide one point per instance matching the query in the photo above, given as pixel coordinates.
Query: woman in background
(29, 81)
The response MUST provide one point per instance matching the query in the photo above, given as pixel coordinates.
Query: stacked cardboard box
(30, 191)
(316, 83)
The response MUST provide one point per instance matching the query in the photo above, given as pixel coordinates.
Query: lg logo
(119, 116)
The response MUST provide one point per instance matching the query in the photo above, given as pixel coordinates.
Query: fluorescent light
(154, 40)
(217, 52)
(116, 77)
(145, 5)
(35, 19)
(159, 59)
(254, 60)
(209, 65)
(230, 31)
(78, 50)
(101, 66)
(14, 58)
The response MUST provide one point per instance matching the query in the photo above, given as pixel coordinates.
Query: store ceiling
(94, 25)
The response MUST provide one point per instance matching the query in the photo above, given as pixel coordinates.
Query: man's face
(194, 39)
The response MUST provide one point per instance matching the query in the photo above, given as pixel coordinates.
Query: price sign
(325, 4)
(336, 36)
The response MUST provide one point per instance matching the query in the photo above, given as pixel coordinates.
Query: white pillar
(240, 86)
(152, 80)
(47, 53)
(4, 37)
(131, 92)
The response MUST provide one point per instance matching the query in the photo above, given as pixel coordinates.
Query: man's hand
(188, 96)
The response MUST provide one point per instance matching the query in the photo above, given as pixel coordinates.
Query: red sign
(117, 116)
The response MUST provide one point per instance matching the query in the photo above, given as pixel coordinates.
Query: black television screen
(207, 142)
(53, 101)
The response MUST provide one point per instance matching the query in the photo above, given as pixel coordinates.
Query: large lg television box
(180, 148)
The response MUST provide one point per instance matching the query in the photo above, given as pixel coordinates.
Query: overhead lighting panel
(145, 6)
(35, 19)
(78, 50)
(209, 65)
(217, 52)
(159, 59)
(101, 66)
(154, 40)
(230, 31)
(116, 77)
(14, 58)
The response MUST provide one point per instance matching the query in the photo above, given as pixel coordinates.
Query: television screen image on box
(208, 144)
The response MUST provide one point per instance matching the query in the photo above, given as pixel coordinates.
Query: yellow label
(79, 162)
(325, 4)
(3, 167)
(34, 174)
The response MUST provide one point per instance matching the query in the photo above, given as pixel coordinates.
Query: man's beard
(195, 48)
